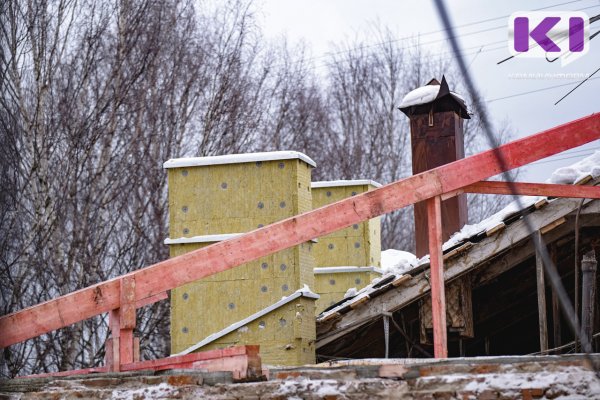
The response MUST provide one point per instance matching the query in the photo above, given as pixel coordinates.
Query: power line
(535, 91)
(550, 160)
(589, 78)
(348, 51)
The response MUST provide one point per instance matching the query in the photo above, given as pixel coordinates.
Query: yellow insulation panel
(286, 335)
(357, 245)
(236, 198)
(201, 308)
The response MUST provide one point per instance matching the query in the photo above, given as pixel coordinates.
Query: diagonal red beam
(533, 189)
(168, 274)
(528, 189)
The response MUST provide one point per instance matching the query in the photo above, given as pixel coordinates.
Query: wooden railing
(120, 296)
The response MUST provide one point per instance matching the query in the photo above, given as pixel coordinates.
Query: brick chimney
(436, 126)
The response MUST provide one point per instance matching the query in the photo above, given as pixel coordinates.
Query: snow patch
(425, 94)
(575, 172)
(421, 95)
(350, 292)
(490, 222)
(397, 261)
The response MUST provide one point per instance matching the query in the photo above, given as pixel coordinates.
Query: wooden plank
(168, 274)
(66, 373)
(495, 229)
(358, 302)
(552, 225)
(534, 189)
(126, 347)
(436, 262)
(401, 280)
(136, 349)
(584, 180)
(541, 294)
(111, 354)
(127, 306)
(460, 249)
(151, 300)
(418, 286)
(188, 359)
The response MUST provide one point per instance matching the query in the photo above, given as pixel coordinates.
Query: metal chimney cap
(421, 100)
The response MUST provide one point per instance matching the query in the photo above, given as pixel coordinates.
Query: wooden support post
(588, 294)
(438, 299)
(121, 348)
(127, 320)
(541, 294)
(555, 305)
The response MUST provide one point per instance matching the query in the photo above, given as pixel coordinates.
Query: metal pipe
(588, 289)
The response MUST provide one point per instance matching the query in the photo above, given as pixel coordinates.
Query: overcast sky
(321, 23)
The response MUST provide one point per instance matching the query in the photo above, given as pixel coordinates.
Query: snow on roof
(237, 159)
(575, 173)
(201, 239)
(397, 261)
(303, 292)
(423, 95)
(492, 221)
(589, 166)
(355, 182)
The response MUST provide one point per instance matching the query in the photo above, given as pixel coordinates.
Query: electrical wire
(575, 88)
(538, 90)
(549, 160)
(549, 267)
(384, 42)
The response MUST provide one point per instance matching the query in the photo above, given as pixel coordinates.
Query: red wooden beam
(436, 263)
(529, 189)
(189, 267)
(243, 360)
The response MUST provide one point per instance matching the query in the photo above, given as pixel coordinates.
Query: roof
(238, 159)
(473, 246)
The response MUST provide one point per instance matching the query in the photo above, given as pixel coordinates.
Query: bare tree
(96, 95)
